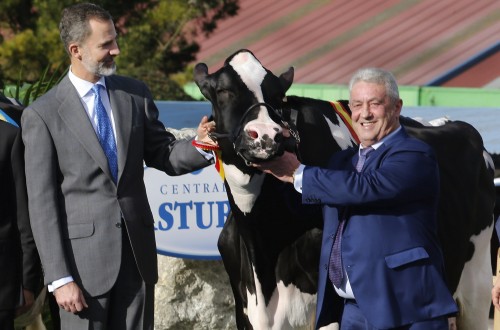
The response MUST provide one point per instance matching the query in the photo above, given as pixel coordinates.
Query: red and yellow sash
(346, 118)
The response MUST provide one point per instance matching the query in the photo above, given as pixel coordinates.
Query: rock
(192, 295)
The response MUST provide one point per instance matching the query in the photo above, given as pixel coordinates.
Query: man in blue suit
(380, 244)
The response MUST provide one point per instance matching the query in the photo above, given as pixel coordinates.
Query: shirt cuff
(297, 178)
(208, 155)
(59, 283)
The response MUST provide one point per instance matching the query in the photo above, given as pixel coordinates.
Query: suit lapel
(122, 105)
(76, 119)
(375, 154)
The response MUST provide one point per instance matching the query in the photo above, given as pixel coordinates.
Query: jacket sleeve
(41, 181)
(162, 150)
(397, 175)
(31, 261)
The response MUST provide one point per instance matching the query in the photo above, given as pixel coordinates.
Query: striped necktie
(105, 132)
(335, 269)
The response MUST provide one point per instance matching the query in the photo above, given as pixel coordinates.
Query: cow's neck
(341, 134)
(245, 188)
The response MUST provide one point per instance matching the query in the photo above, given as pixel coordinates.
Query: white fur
(288, 308)
(340, 133)
(250, 71)
(488, 160)
(332, 326)
(473, 293)
(434, 122)
(244, 188)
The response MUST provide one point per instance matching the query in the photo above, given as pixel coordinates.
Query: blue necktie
(335, 269)
(105, 132)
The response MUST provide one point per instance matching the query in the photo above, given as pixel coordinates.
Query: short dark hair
(74, 25)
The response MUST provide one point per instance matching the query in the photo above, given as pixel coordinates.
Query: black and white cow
(271, 251)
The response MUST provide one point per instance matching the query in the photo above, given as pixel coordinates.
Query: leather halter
(237, 131)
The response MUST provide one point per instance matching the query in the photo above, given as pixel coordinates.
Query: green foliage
(157, 39)
(26, 93)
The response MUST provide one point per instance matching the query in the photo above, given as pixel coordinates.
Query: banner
(189, 212)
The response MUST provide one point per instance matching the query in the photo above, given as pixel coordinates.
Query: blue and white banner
(189, 212)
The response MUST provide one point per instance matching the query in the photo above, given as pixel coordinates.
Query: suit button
(118, 225)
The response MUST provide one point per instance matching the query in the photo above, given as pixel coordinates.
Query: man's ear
(75, 51)
(399, 106)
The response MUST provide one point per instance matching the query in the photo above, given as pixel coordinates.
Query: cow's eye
(222, 91)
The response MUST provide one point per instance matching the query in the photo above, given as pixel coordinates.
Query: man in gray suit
(85, 147)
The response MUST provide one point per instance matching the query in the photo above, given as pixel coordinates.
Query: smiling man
(381, 266)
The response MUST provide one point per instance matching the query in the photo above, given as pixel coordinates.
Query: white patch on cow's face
(252, 73)
(289, 308)
(340, 133)
(473, 293)
(244, 188)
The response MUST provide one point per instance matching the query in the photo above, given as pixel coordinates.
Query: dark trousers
(353, 319)
(7, 319)
(128, 306)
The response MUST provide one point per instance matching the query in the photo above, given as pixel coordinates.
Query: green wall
(411, 95)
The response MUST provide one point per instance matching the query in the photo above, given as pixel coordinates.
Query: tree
(156, 38)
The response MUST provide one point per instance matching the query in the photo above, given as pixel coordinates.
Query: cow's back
(465, 215)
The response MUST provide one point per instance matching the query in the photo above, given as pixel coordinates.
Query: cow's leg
(473, 294)
(229, 248)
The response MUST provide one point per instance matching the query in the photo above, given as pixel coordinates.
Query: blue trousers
(353, 319)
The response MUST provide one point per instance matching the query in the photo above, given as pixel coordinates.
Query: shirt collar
(384, 139)
(82, 86)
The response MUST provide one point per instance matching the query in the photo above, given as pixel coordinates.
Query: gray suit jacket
(75, 208)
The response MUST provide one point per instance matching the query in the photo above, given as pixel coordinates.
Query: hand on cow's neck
(282, 167)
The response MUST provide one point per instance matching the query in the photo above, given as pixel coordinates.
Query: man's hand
(70, 298)
(495, 293)
(282, 167)
(204, 128)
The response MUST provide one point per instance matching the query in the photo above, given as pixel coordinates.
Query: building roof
(420, 41)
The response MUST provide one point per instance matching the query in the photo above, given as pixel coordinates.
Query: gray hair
(379, 77)
(74, 25)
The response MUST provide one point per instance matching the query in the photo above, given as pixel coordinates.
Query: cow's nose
(257, 131)
(253, 134)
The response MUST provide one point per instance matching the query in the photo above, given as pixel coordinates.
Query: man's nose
(365, 110)
(115, 50)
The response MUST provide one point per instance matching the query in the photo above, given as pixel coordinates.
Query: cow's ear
(200, 78)
(286, 79)
(200, 72)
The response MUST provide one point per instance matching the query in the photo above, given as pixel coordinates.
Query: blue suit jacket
(390, 247)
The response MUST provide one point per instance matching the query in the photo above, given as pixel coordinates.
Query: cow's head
(246, 101)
